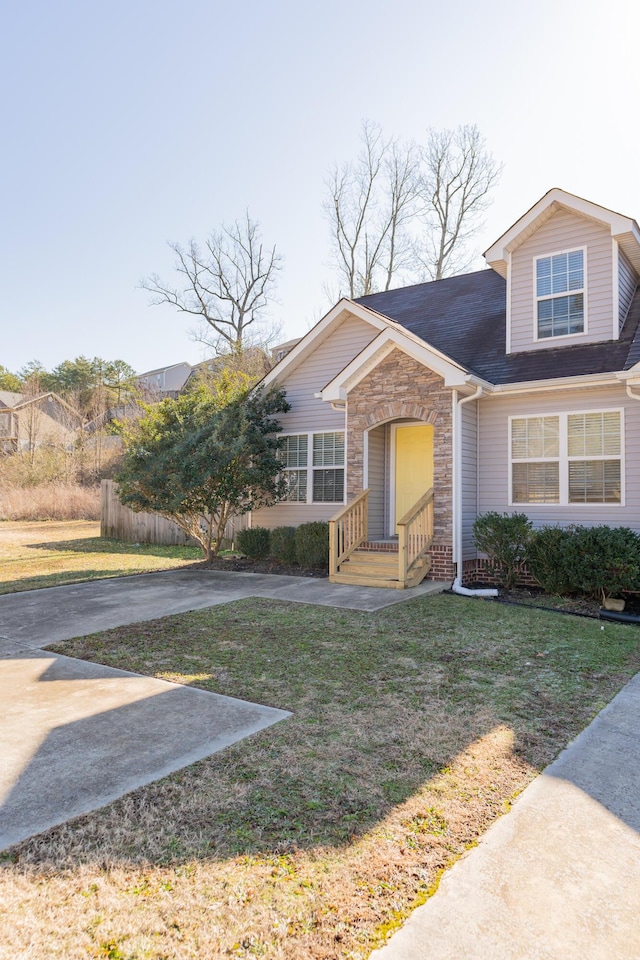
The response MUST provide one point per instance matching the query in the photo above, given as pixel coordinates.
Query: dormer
(571, 269)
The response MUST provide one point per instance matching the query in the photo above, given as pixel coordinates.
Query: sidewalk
(559, 876)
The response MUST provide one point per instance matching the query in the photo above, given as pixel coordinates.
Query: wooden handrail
(416, 508)
(347, 530)
(415, 535)
(348, 506)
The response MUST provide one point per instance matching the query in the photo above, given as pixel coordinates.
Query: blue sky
(129, 124)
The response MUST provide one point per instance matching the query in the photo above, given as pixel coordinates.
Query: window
(326, 484)
(567, 458)
(560, 294)
(294, 457)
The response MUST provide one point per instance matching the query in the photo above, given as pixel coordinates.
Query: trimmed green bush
(550, 556)
(283, 544)
(254, 542)
(312, 544)
(504, 538)
(596, 562)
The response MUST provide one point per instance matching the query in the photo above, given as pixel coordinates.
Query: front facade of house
(515, 388)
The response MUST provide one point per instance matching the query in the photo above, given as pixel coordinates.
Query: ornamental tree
(203, 458)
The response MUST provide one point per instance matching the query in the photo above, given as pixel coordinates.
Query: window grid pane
(294, 451)
(594, 434)
(536, 483)
(328, 486)
(328, 450)
(296, 485)
(535, 437)
(594, 481)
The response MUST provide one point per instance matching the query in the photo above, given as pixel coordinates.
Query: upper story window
(560, 294)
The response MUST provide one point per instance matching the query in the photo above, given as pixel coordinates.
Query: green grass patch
(412, 730)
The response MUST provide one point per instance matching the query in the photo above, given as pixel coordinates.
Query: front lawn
(412, 730)
(54, 552)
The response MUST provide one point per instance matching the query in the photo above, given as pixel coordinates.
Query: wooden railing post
(347, 530)
(415, 535)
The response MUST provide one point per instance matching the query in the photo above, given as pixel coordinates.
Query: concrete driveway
(75, 735)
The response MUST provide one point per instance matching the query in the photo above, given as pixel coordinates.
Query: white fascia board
(388, 340)
(618, 223)
(320, 332)
(559, 383)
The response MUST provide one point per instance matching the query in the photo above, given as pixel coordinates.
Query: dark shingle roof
(465, 318)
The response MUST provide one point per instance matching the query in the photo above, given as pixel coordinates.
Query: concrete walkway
(76, 735)
(559, 876)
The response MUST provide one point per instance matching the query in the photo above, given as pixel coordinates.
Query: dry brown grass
(412, 730)
(49, 501)
(52, 553)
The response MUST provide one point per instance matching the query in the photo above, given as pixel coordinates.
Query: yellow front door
(414, 465)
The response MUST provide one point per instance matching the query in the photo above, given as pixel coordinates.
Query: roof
(10, 399)
(465, 318)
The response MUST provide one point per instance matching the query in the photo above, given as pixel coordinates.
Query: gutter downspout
(456, 586)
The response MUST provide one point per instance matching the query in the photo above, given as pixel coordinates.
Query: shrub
(595, 562)
(606, 561)
(254, 542)
(550, 559)
(312, 544)
(504, 537)
(283, 544)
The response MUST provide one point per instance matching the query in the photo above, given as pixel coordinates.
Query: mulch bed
(269, 565)
(580, 606)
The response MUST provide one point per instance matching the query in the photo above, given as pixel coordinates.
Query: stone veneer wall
(400, 388)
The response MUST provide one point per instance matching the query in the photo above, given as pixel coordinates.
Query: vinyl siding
(494, 455)
(469, 505)
(627, 280)
(376, 481)
(310, 413)
(563, 231)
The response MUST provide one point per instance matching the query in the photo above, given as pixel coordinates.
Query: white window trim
(537, 299)
(310, 468)
(564, 459)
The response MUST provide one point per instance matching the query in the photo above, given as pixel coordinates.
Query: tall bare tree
(402, 211)
(369, 204)
(457, 175)
(228, 284)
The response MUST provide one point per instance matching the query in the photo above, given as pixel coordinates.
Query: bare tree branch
(458, 174)
(229, 284)
(369, 203)
(399, 211)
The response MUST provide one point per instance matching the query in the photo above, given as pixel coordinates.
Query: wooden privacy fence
(120, 523)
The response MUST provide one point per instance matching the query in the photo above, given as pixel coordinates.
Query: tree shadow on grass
(104, 545)
(402, 711)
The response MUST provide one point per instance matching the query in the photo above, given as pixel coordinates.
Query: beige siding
(627, 284)
(494, 455)
(563, 231)
(310, 413)
(469, 413)
(377, 467)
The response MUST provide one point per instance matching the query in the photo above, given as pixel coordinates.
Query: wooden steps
(378, 568)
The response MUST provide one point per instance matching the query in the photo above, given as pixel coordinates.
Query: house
(514, 388)
(164, 381)
(27, 423)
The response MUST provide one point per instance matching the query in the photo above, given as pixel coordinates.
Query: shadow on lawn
(104, 545)
(375, 723)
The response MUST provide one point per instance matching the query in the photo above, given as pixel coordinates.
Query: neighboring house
(165, 381)
(27, 423)
(515, 388)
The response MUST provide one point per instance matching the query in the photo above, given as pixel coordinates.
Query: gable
(563, 231)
